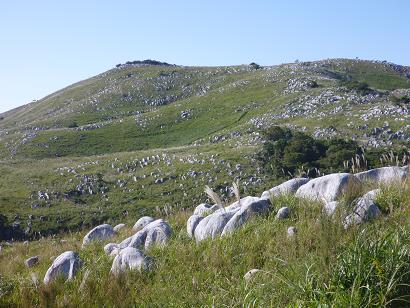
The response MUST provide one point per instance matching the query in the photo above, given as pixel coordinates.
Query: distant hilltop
(145, 63)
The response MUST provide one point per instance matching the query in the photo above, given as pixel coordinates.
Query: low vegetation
(323, 264)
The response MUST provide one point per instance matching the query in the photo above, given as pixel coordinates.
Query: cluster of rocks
(92, 126)
(127, 255)
(299, 84)
(211, 221)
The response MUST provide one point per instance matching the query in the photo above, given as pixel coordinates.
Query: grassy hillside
(323, 264)
(197, 122)
(146, 139)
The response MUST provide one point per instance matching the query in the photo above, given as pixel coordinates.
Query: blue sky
(47, 45)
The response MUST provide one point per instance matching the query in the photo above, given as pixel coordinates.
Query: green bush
(286, 151)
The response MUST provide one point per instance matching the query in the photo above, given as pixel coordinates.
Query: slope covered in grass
(323, 264)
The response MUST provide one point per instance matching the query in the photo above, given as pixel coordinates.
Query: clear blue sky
(46, 45)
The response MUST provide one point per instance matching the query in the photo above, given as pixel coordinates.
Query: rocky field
(188, 150)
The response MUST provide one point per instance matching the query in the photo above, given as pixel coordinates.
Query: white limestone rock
(330, 207)
(205, 209)
(212, 225)
(384, 175)
(287, 187)
(250, 274)
(66, 265)
(283, 213)
(258, 207)
(192, 223)
(118, 227)
(110, 247)
(30, 262)
(141, 223)
(364, 210)
(99, 233)
(129, 259)
(328, 187)
(138, 240)
(291, 231)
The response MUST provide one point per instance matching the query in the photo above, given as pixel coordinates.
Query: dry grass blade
(213, 195)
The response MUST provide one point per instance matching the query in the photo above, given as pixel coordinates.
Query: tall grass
(322, 265)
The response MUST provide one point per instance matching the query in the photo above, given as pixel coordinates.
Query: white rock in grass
(30, 262)
(241, 203)
(364, 210)
(205, 209)
(141, 223)
(66, 265)
(118, 227)
(328, 187)
(250, 274)
(129, 259)
(192, 223)
(287, 187)
(99, 233)
(110, 247)
(258, 207)
(156, 236)
(283, 213)
(291, 231)
(212, 225)
(384, 175)
(138, 239)
(330, 207)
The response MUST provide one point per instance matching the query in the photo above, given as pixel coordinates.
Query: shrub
(286, 151)
(255, 66)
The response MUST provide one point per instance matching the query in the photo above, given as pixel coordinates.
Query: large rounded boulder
(142, 222)
(99, 233)
(65, 265)
(246, 211)
(365, 209)
(225, 220)
(288, 187)
(384, 175)
(326, 188)
(129, 259)
(156, 232)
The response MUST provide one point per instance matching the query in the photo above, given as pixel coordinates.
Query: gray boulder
(118, 227)
(287, 187)
(330, 207)
(99, 233)
(212, 225)
(66, 265)
(205, 209)
(283, 213)
(156, 236)
(138, 240)
(30, 262)
(258, 207)
(364, 210)
(141, 223)
(110, 247)
(384, 175)
(129, 259)
(326, 188)
(242, 202)
(192, 223)
(292, 231)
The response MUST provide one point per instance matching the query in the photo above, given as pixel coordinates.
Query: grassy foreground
(323, 264)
